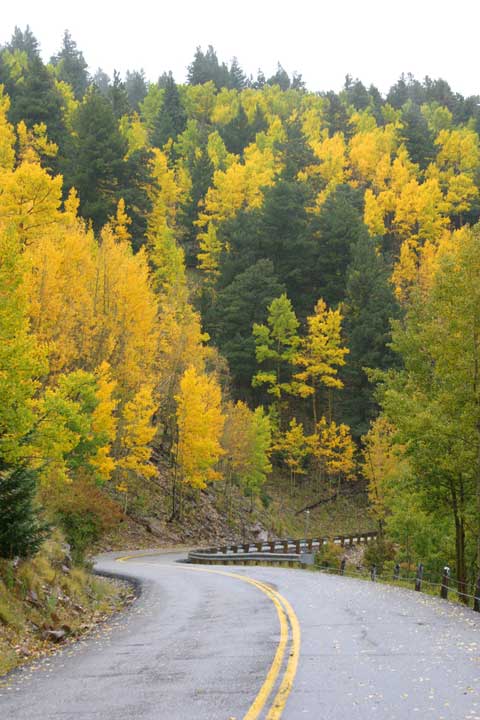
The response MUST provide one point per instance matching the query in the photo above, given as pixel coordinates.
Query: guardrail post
(246, 547)
(272, 547)
(476, 601)
(297, 547)
(259, 546)
(342, 566)
(418, 579)
(285, 546)
(373, 573)
(309, 544)
(445, 579)
(396, 572)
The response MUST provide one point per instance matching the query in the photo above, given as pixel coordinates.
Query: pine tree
(118, 97)
(97, 163)
(172, 118)
(369, 306)
(136, 87)
(71, 67)
(21, 530)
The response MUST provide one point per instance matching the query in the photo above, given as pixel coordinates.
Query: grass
(348, 514)
(43, 594)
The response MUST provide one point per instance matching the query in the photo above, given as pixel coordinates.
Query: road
(222, 643)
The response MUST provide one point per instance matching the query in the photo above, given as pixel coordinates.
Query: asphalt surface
(199, 645)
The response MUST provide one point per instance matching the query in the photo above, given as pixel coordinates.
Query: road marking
(286, 615)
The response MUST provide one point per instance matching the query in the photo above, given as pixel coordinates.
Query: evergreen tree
(417, 136)
(338, 228)
(172, 118)
(24, 41)
(369, 306)
(118, 97)
(206, 67)
(236, 308)
(97, 168)
(101, 81)
(136, 87)
(34, 97)
(280, 78)
(238, 79)
(237, 134)
(70, 66)
(21, 531)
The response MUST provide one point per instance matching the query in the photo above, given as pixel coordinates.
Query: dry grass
(44, 594)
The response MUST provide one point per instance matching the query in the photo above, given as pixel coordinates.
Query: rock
(259, 533)
(55, 635)
(154, 526)
(65, 569)
(67, 552)
(32, 598)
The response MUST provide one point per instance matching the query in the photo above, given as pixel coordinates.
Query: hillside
(223, 301)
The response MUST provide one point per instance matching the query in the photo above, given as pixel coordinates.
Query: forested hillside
(231, 274)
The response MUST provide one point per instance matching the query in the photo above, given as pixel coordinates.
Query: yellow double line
(289, 630)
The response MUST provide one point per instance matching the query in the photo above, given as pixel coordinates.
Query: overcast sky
(322, 39)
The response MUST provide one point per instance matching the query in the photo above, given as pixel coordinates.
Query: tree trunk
(458, 515)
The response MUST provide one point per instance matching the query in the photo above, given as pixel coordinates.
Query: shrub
(378, 552)
(329, 555)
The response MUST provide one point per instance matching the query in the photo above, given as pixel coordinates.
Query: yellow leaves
(135, 133)
(321, 353)
(33, 144)
(120, 223)
(217, 152)
(459, 151)
(125, 310)
(247, 440)
(210, 252)
(333, 448)
(382, 464)
(7, 135)
(226, 107)
(332, 167)
(136, 433)
(294, 447)
(104, 421)
(30, 200)
(200, 423)
(370, 155)
(61, 286)
(373, 215)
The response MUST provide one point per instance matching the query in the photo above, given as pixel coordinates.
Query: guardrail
(292, 552)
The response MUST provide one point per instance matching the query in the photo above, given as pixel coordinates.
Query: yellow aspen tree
(120, 223)
(199, 430)
(33, 144)
(333, 450)
(104, 422)
(294, 449)
(30, 200)
(125, 312)
(136, 433)
(321, 354)
(382, 465)
(7, 135)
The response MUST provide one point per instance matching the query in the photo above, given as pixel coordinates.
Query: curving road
(223, 643)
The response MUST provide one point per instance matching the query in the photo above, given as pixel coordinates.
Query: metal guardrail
(293, 552)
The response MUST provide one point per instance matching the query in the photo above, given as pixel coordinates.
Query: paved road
(199, 645)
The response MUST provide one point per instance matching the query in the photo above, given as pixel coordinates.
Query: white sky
(322, 39)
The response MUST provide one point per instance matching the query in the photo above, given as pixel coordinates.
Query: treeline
(285, 228)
